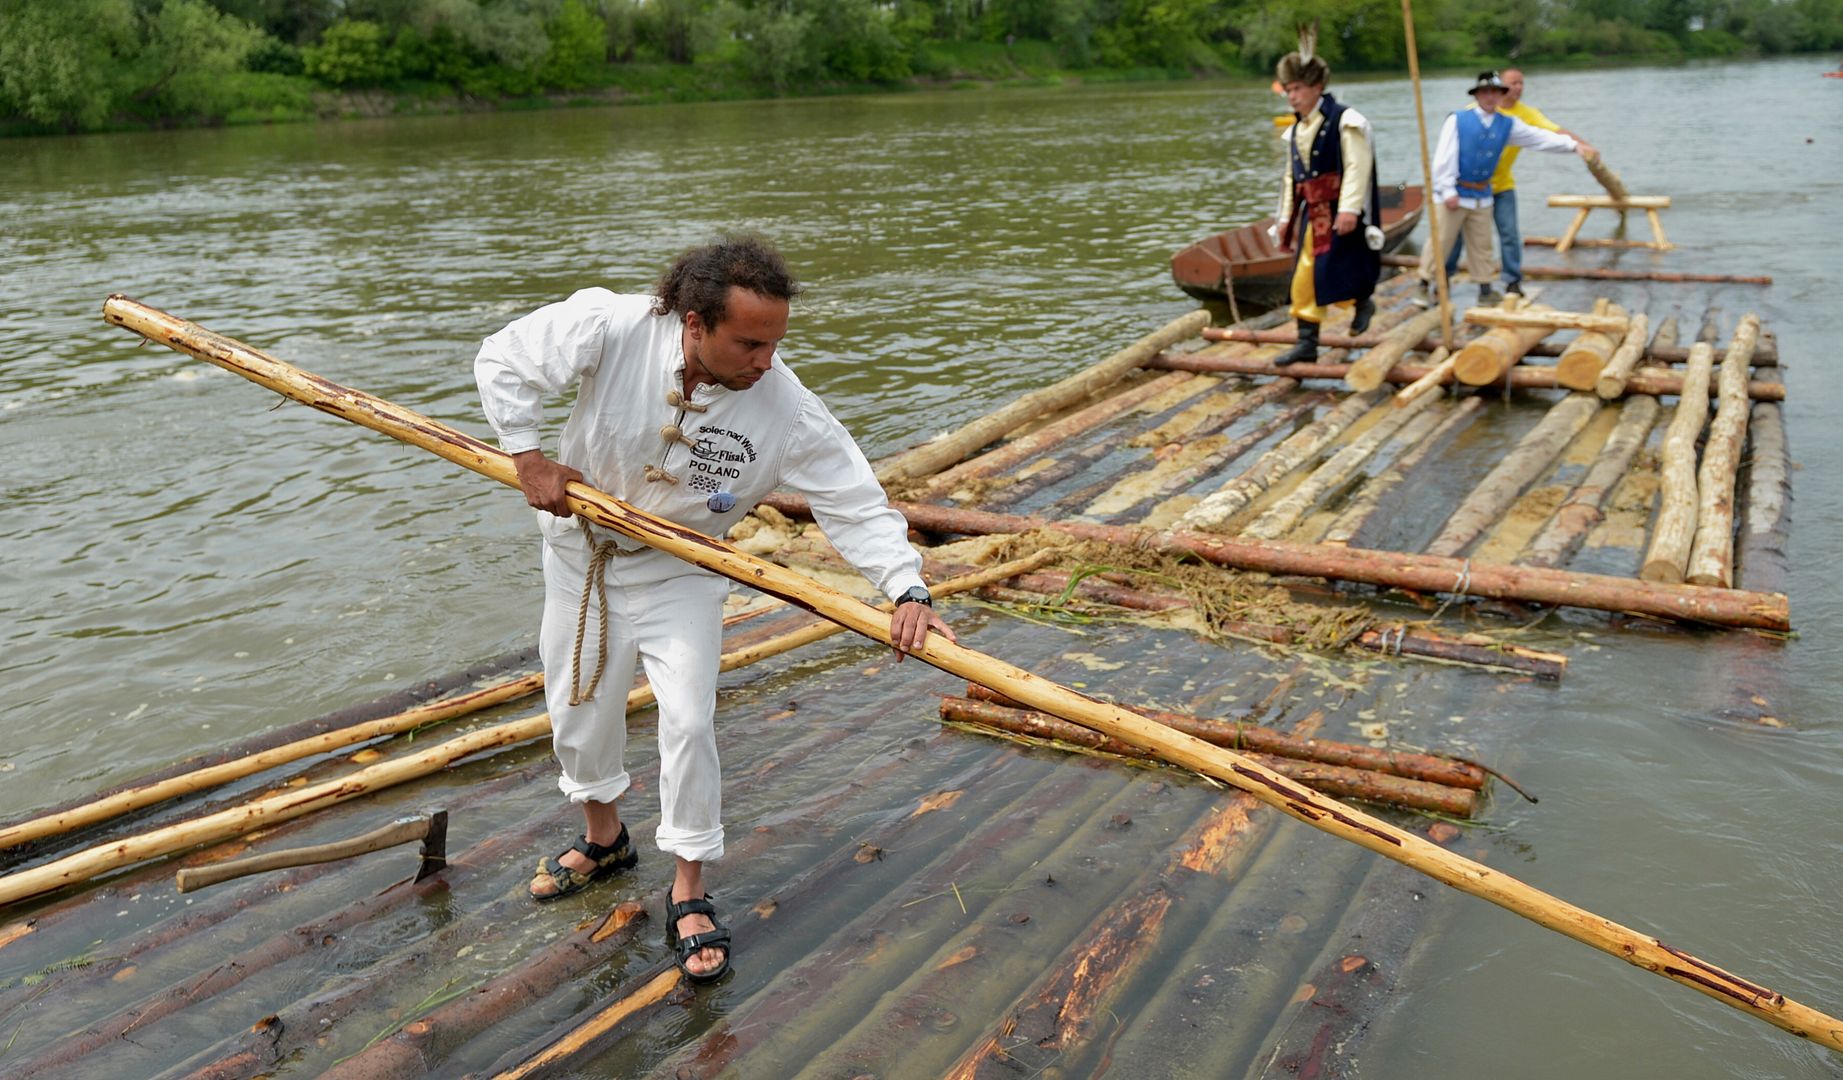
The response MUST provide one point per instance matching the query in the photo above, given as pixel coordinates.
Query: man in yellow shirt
(1504, 186)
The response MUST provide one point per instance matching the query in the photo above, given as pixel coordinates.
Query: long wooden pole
(1433, 204)
(1285, 795)
(124, 802)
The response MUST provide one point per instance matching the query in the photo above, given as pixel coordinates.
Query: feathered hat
(1303, 66)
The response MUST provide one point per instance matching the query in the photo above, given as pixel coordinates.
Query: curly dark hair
(700, 279)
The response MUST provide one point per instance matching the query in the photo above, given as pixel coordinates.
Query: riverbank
(249, 98)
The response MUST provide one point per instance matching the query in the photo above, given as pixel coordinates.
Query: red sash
(1319, 197)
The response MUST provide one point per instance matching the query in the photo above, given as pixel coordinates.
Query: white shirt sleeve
(1531, 137)
(824, 464)
(545, 352)
(1446, 159)
(1358, 149)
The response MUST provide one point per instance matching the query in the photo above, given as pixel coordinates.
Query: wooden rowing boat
(1259, 271)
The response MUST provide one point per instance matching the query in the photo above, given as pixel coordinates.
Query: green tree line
(73, 65)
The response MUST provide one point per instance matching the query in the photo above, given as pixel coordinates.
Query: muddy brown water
(185, 565)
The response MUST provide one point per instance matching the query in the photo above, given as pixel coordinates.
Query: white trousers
(675, 627)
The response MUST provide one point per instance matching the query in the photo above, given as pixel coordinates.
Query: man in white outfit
(683, 409)
(1471, 142)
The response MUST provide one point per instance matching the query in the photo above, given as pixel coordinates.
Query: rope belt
(592, 582)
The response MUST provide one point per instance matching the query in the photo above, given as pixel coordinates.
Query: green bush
(352, 52)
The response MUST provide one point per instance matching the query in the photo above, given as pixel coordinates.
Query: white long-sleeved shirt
(1355, 142)
(1446, 156)
(624, 361)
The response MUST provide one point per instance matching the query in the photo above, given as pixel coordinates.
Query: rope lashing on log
(1285, 795)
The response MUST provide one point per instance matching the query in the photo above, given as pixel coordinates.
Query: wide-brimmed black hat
(1487, 80)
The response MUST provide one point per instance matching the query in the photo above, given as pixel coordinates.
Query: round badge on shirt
(721, 503)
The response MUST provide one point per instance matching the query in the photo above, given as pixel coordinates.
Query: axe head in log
(434, 845)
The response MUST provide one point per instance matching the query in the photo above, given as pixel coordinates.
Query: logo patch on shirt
(719, 456)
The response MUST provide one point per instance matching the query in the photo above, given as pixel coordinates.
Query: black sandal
(687, 947)
(610, 859)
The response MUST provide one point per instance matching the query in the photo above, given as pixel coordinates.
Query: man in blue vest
(1330, 208)
(1471, 142)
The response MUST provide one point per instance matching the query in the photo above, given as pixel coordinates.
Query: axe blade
(434, 846)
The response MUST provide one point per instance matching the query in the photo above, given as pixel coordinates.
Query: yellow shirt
(1501, 180)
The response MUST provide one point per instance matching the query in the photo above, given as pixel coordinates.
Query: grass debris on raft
(1220, 597)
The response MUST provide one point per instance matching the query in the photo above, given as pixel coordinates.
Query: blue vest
(1479, 150)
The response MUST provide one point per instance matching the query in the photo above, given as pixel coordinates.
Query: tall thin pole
(1433, 209)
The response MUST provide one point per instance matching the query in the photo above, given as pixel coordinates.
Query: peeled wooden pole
(202, 779)
(1372, 368)
(1540, 317)
(1581, 363)
(937, 454)
(1284, 795)
(1040, 729)
(1765, 355)
(1236, 735)
(1711, 559)
(1441, 372)
(1218, 508)
(1485, 359)
(1610, 381)
(1019, 450)
(1667, 559)
(1433, 212)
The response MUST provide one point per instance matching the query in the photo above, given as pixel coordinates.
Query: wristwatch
(915, 595)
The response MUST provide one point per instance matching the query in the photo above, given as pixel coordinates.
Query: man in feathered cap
(1330, 207)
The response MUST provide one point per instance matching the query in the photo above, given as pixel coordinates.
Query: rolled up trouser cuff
(693, 846)
(601, 791)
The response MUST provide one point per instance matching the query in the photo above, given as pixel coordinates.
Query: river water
(185, 564)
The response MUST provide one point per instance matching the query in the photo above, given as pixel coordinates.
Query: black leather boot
(1307, 349)
(1366, 309)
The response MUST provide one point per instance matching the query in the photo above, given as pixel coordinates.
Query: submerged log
(1760, 556)
(1421, 438)
(1286, 512)
(1667, 559)
(1711, 559)
(1485, 506)
(1372, 369)
(1020, 829)
(1285, 795)
(1061, 1008)
(937, 454)
(1237, 735)
(1393, 569)
(1216, 510)
(1562, 536)
(1520, 376)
